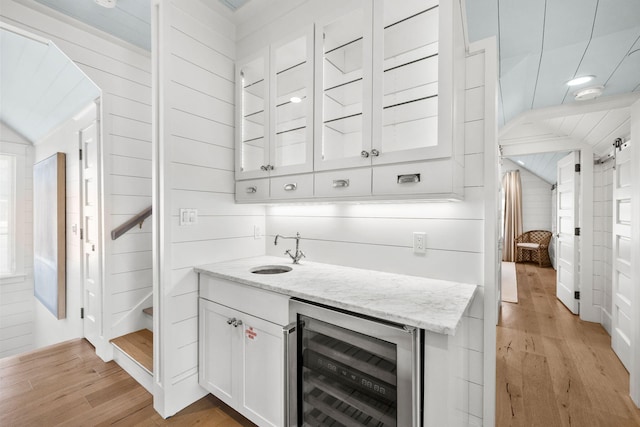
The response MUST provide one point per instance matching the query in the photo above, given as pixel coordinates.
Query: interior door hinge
(82, 312)
(80, 150)
(576, 294)
(81, 234)
(577, 231)
(577, 167)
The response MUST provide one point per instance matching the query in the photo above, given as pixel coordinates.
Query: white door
(567, 260)
(622, 286)
(91, 265)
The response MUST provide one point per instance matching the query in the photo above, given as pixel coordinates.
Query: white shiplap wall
(602, 239)
(536, 198)
(16, 293)
(123, 73)
(379, 237)
(195, 170)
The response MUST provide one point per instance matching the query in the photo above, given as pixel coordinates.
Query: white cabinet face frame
(252, 116)
(291, 103)
(343, 67)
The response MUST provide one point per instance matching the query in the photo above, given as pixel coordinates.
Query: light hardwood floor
(67, 384)
(554, 369)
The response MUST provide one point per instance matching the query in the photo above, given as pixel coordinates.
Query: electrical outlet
(419, 242)
(256, 232)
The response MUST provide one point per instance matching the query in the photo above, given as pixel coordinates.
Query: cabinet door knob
(237, 323)
(264, 168)
(252, 189)
(290, 187)
(364, 154)
(340, 183)
(270, 167)
(230, 321)
(375, 153)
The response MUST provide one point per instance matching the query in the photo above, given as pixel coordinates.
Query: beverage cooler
(350, 370)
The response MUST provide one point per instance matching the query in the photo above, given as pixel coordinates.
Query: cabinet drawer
(256, 302)
(292, 187)
(433, 177)
(344, 183)
(252, 190)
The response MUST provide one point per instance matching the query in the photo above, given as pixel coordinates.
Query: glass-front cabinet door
(406, 63)
(292, 104)
(252, 117)
(343, 90)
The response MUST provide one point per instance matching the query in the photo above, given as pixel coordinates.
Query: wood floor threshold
(138, 346)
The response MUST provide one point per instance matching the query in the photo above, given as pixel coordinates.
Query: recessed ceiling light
(580, 80)
(588, 93)
(295, 99)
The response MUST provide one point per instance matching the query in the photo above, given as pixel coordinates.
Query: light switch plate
(187, 216)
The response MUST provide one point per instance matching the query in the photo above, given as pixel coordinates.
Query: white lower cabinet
(241, 357)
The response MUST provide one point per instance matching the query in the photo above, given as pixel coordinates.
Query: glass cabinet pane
(410, 75)
(254, 101)
(292, 99)
(342, 101)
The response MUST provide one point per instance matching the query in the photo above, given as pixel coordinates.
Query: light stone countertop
(431, 304)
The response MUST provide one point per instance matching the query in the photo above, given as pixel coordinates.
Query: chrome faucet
(299, 254)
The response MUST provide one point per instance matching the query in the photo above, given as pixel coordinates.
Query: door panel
(622, 286)
(567, 220)
(91, 269)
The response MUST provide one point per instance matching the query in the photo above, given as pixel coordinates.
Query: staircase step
(134, 353)
(148, 311)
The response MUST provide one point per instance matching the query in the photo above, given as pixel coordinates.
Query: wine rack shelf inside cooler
(347, 381)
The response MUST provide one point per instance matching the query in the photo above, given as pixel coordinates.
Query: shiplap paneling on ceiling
(40, 87)
(129, 20)
(543, 165)
(543, 44)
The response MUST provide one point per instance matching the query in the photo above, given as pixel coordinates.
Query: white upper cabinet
(343, 89)
(386, 118)
(275, 110)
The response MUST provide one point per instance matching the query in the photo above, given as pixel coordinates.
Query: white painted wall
(602, 240)
(536, 198)
(16, 293)
(195, 170)
(123, 73)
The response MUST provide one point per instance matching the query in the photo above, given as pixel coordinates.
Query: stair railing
(138, 219)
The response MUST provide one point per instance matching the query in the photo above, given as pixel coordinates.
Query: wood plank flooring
(554, 369)
(67, 384)
(138, 345)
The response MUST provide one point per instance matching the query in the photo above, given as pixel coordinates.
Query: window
(7, 214)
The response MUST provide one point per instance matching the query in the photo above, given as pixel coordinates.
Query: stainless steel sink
(271, 269)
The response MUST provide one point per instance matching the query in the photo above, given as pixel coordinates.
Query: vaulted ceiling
(543, 44)
(40, 87)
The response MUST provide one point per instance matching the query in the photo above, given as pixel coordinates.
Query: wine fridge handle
(416, 372)
(289, 370)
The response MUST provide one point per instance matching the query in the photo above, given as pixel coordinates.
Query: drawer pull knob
(251, 190)
(236, 323)
(375, 153)
(290, 187)
(264, 168)
(364, 154)
(231, 320)
(340, 183)
(410, 178)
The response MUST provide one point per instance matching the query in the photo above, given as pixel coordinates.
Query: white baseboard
(606, 321)
(133, 368)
